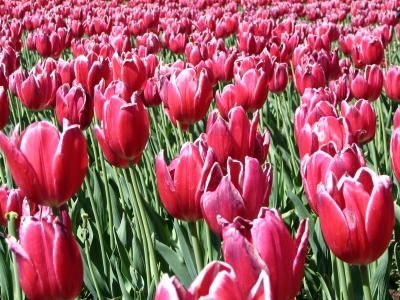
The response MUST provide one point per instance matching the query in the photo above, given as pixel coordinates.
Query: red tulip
(189, 96)
(196, 53)
(4, 108)
(341, 89)
(361, 118)
(226, 100)
(177, 43)
(266, 244)
(216, 281)
(392, 83)
(362, 211)
(47, 166)
(14, 200)
(309, 76)
(372, 50)
(315, 168)
(223, 65)
(242, 192)
(369, 86)
(130, 70)
(238, 139)
(125, 129)
(395, 146)
(182, 183)
(75, 105)
(48, 258)
(280, 78)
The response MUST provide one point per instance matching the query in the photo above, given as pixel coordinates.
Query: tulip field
(209, 149)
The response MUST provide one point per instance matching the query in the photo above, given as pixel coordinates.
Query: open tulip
(75, 105)
(48, 258)
(189, 95)
(47, 166)
(362, 211)
(242, 192)
(309, 76)
(369, 86)
(182, 183)
(266, 244)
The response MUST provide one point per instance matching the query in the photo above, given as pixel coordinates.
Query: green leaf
(157, 224)
(5, 278)
(187, 249)
(176, 263)
(380, 279)
(324, 286)
(121, 281)
(123, 256)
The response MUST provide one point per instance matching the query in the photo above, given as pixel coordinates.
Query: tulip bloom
(309, 76)
(48, 258)
(392, 83)
(280, 78)
(182, 183)
(361, 118)
(315, 168)
(189, 95)
(125, 130)
(238, 138)
(75, 105)
(242, 192)
(47, 166)
(395, 147)
(216, 281)
(14, 200)
(362, 211)
(369, 86)
(372, 50)
(266, 244)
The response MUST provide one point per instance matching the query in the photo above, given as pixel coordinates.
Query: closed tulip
(48, 258)
(315, 168)
(47, 166)
(265, 244)
(242, 192)
(125, 129)
(279, 79)
(369, 86)
(395, 148)
(223, 65)
(362, 211)
(309, 76)
(392, 83)
(226, 100)
(189, 95)
(182, 183)
(75, 105)
(361, 118)
(372, 50)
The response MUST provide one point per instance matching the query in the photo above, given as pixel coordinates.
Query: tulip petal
(170, 288)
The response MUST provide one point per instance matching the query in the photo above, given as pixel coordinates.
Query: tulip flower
(280, 79)
(361, 118)
(226, 100)
(47, 166)
(362, 211)
(392, 83)
(325, 130)
(395, 147)
(265, 244)
(242, 192)
(189, 95)
(309, 76)
(341, 89)
(238, 139)
(14, 200)
(315, 168)
(223, 65)
(182, 183)
(216, 281)
(4, 108)
(369, 86)
(48, 258)
(125, 130)
(75, 105)
(372, 50)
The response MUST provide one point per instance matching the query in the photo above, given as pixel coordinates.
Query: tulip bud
(4, 108)
(392, 83)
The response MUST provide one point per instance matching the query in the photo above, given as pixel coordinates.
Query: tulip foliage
(211, 149)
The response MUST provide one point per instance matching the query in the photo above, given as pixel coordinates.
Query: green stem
(196, 246)
(374, 156)
(154, 119)
(385, 143)
(98, 226)
(365, 282)
(109, 206)
(3, 180)
(191, 133)
(209, 245)
(139, 227)
(12, 230)
(94, 147)
(349, 282)
(120, 190)
(180, 132)
(343, 286)
(87, 252)
(335, 276)
(143, 215)
(150, 168)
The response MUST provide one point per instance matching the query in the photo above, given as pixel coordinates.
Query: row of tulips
(221, 176)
